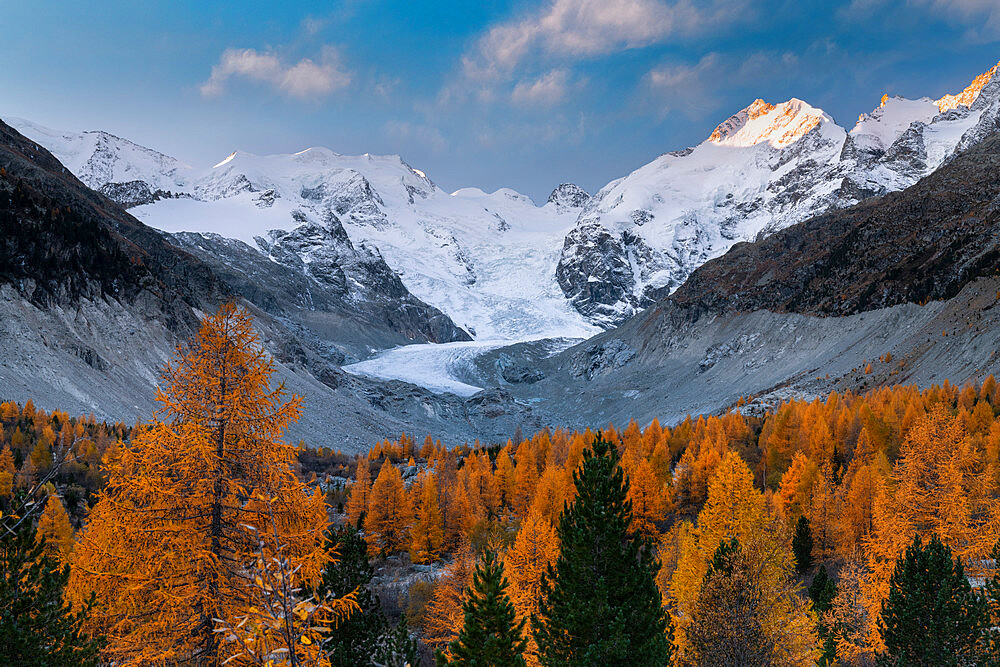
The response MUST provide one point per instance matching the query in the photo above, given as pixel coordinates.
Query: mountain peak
(569, 195)
(780, 125)
(969, 95)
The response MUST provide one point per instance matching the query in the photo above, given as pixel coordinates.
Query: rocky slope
(763, 169)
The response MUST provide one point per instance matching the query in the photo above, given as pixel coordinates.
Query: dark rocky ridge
(62, 241)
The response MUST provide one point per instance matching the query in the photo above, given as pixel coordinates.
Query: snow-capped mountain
(763, 169)
(503, 268)
(485, 259)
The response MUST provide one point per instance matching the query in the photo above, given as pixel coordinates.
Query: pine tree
(932, 615)
(727, 622)
(823, 592)
(366, 637)
(491, 636)
(802, 545)
(600, 604)
(36, 626)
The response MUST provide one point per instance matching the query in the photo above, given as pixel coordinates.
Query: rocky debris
(515, 372)
(600, 358)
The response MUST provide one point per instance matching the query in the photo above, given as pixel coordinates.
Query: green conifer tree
(991, 589)
(932, 615)
(599, 602)
(802, 545)
(37, 628)
(366, 637)
(822, 592)
(491, 635)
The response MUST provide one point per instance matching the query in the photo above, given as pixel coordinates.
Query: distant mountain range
(501, 267)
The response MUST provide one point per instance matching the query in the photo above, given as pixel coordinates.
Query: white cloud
(547, 90)
(694, 88)
(673, 85)
(574, 29)
(304, 79)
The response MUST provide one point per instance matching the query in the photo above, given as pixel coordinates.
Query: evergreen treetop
(600, 604)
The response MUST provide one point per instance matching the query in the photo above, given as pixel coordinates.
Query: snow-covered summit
(99, 158)
(647, 232)
(764, 168)
(779, 125)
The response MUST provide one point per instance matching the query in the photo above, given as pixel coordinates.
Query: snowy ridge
(504, 268)
(485, 259)
(765, 168)
(649, 230)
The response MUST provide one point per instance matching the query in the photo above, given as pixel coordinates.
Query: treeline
(33, 442)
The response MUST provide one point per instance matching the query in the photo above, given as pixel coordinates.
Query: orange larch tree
(428, 528)
(535, 548)
(55, 529)
(387, 521)
(357, 502)
(174, 537)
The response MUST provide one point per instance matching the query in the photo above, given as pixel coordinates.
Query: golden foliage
(173, 539)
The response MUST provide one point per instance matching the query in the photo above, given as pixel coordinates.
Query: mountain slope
(900, 288)
(485, 259)
(763, 169)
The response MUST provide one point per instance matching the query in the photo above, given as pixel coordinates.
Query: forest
(848, 529)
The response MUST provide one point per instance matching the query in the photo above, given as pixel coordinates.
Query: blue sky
(518, 94)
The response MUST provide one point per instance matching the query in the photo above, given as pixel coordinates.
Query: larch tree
(7, 473)
(535, 548)
(387, 520)
(428, 529)
(444, 617)
(55, 529)
(735, 509)
(728, 618)
(357, 502)
(940, 487)
(599, 602)
(175, 537)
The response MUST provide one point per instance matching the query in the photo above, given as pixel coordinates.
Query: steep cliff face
(762, 170)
